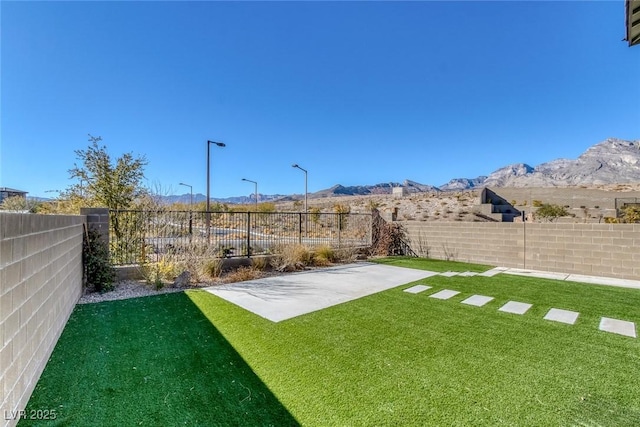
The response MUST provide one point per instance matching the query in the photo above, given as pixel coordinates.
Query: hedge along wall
(40, 283)
(610, 250)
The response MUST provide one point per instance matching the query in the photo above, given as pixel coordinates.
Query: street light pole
(208, 214)
(295, 165)
(190, 208)
(256, 190)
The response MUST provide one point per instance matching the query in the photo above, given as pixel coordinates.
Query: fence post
(98, 219)
(248, 234)
(300, 228)
(339, 228)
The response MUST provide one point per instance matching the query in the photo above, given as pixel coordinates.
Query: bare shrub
(450, 254)
(389, 239)
(424, 248)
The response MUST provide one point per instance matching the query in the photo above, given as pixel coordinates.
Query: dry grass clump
(260, 263)
(324, 255)
(242, 274)
(212, 267)
(291, 257)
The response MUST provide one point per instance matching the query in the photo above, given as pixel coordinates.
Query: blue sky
(355, 92)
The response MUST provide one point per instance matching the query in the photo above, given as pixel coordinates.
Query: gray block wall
(40, 283)
(610, 250)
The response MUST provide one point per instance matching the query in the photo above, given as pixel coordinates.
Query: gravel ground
(139, 288)
(127, 289)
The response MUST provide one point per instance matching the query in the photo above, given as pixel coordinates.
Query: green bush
(550, 211)
(99, 273)
(632, 214)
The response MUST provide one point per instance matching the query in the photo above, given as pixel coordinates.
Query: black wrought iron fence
(138, 237)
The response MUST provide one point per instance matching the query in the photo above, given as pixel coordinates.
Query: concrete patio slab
(283, 297)
(515, 307)
(562, 316)
(596, 280)
(608, 281)
(493, 272)
(615, 326)
(536, 273)
(477, 300)
(444, 294)
(417, 289)
(449, 273)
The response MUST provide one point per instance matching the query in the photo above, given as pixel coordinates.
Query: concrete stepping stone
(515, 307)
(477, 300)
(444, 294)
(493, 272)
(449, 273)
(417, 289)
(616, 326)
(468, 274)
(562, 316)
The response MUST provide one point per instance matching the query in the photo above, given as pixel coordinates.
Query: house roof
(632, 22)
(12, 190)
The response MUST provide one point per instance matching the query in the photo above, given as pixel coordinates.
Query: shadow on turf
(151, 361)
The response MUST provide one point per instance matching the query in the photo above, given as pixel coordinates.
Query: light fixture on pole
(295, 165)
(208, 214)
(256, 190)
(191, 190)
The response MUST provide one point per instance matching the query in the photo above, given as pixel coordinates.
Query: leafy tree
(20, 204)
(104, 183)
(551, 211)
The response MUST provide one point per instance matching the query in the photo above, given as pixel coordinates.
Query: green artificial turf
(389, 359)
(431, 264)
(154, 361)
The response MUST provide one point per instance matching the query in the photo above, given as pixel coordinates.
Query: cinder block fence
(40, 283)
(610, 250)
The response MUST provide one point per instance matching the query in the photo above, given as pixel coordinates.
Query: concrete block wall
(40, 283)
(610, 250)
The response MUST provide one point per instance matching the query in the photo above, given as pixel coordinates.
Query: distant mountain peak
(612, 161)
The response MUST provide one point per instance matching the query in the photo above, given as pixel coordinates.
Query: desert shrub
(291, 257)
(551, 211)
(314, 214)
(372, 204)
(537, 203)
(389, 239)
(631, 214)
(324, 255)
(346, 254)
(212, 267)
(610, 220)
(165, 269)
(242, 274)
(260, 263)
(99, 273)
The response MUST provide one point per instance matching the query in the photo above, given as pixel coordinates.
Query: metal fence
(138, 237)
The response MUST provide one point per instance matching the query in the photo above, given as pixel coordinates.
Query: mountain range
(612, 161)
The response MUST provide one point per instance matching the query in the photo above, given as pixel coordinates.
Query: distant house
(6, 192)
(632, 22)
